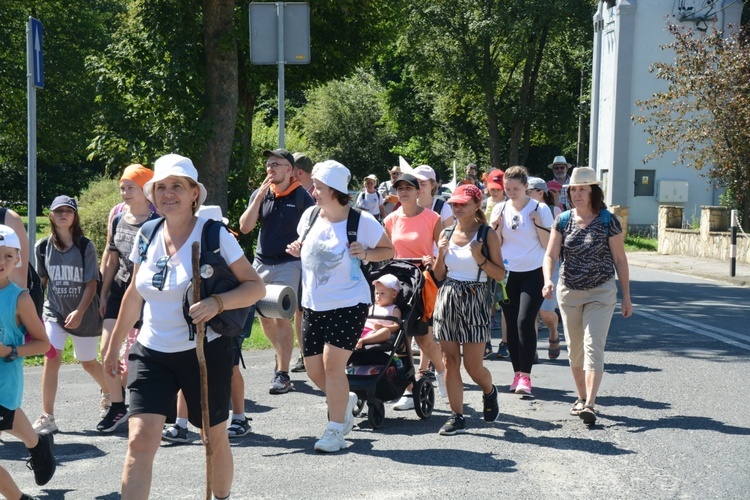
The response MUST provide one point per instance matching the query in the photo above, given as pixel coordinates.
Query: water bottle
(355, 274)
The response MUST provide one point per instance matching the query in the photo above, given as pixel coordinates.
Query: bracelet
(481, 266)
(221, 303)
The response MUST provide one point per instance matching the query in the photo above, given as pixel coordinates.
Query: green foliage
(641, 244)
(704, 113)
(94, 206)
(342, 121)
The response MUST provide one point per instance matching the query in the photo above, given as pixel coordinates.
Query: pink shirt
(412, 237)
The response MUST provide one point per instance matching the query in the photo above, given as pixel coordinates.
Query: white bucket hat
(173, 164)
(583, 176)
(333, 174)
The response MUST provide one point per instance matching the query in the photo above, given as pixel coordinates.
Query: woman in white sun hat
(335, 294)
(163, 360)
(592, 249)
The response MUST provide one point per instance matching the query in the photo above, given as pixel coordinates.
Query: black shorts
(154, 378)
(338, 327)
(7, 417)
(114, 302)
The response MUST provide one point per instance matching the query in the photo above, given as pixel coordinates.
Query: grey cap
(537, 183)
(302, 161)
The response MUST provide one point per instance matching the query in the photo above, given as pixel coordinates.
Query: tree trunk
(221, 97)
(488, 85)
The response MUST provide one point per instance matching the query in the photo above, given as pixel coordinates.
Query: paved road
(674, 424)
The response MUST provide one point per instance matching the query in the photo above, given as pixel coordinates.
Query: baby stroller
(382, 372)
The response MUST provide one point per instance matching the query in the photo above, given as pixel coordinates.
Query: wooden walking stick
(200, 338)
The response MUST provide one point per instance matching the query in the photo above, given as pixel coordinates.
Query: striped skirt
(462, 312)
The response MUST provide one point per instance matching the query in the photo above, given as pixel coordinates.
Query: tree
(704, 113)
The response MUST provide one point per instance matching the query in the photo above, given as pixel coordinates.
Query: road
(674, 423)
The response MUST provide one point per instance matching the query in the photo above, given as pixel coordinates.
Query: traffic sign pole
(34, 78)
(280, 64)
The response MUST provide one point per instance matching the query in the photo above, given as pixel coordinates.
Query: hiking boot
(281, 383)
(117, 415)
(332, 440)
(175, 434)
(239, 428)
(491, 405)
(524, 385)
(502, 351)
(42, 460)
(105, 403)
(45, 423)
(299, 366)
(349, 413)
(455, 425)
(405, 403)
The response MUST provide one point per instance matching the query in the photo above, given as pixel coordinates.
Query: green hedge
(94, 205)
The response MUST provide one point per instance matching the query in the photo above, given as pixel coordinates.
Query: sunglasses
(160, 277)
(560, 168)
(516, 221)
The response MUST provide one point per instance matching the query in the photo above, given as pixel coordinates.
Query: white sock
(337, 426)
(182, 422)
(238, 416)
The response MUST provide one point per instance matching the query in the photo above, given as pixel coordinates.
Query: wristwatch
(13, 354)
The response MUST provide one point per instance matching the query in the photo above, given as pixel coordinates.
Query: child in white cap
(377, 329)
(18, 319)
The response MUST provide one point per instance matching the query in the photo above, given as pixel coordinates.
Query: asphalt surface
(673, 420)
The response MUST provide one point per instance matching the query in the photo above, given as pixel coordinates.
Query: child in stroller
(382, 371)
(377, 328)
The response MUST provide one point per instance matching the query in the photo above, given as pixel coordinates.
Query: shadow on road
(681, 422)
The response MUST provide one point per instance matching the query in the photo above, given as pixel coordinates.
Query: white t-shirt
(327, 265)
(164, 326)
(370, 202)
(522, 251)
(445, 213)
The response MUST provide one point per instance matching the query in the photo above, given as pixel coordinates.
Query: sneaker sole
(523, 392)
(233, 436)
(116, 424)
(324, 449)
(452, 433)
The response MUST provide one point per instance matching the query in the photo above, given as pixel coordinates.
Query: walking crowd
(544, 251)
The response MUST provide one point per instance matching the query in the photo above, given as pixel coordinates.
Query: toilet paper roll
(280, 302)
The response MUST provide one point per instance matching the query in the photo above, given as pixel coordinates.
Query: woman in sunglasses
(524, 228)
(67, 264)
(163, 359)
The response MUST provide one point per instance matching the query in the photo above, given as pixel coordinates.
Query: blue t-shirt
(11, 374)
(278, 220)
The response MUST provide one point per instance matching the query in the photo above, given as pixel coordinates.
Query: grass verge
(640, 244)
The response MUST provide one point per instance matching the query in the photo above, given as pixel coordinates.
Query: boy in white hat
(18, 318)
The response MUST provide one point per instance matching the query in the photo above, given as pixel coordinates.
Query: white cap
(9, 238)
(389, 281)
(333, 174)
(424, 173)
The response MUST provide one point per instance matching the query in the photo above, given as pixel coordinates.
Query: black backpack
(216, 277)
(33, 281)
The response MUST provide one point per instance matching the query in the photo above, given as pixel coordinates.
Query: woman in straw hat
(164, 360)
(591, 252)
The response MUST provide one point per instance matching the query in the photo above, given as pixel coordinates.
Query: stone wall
(712, 241)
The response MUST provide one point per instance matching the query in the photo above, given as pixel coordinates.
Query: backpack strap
(3, 211)
(606, 217)
(211, 237)
(115, 222)
(43, 243)
(299, 199)
(439, 203)
(313, 217)
(352, 224)
(482, 235)
(148, 230)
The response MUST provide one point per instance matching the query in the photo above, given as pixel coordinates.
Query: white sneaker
(45, 424)
(405, 403)
(440, 380)
(332, 440)
(414, 346)
(349, 414)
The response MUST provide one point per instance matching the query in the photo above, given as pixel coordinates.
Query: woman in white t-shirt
(335, 293)
(163, 360)
(524, 228)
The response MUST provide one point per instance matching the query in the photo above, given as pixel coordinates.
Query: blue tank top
(11, 374)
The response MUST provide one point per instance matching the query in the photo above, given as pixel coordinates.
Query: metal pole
(733, 247)
(31, 131)
(280, 64)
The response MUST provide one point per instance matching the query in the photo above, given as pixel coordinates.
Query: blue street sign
(37, 55)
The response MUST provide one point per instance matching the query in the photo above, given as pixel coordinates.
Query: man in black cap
(277, 204)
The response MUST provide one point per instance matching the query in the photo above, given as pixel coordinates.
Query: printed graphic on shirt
(66, 281)
(324, 256)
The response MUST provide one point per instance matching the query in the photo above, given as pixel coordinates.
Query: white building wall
(627, 40)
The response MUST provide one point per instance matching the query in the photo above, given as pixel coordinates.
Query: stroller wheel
(424, 397)
(358, 409)
(375, 413)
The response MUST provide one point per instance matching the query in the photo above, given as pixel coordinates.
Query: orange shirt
(412, 237)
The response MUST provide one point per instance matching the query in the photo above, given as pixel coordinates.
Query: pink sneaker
(524, 385)
(514, 385)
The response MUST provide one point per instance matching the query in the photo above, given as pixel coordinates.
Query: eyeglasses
(161, 276)
(516, 222)
(276, 165)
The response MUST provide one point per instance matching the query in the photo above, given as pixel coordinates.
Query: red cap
(554, 186)
(495, 179)
(464, 193)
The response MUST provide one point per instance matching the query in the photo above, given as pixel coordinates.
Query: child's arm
(26, 316)
(383, 333)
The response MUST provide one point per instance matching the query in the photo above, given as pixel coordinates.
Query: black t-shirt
(278, 220)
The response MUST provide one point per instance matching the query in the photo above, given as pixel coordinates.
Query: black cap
(281, 153)
(409, 179)
(301, 160)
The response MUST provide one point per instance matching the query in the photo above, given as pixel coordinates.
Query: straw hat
(583, 176)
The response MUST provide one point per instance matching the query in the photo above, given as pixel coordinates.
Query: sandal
(554, 349)
(588, 415)
(577, 407)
